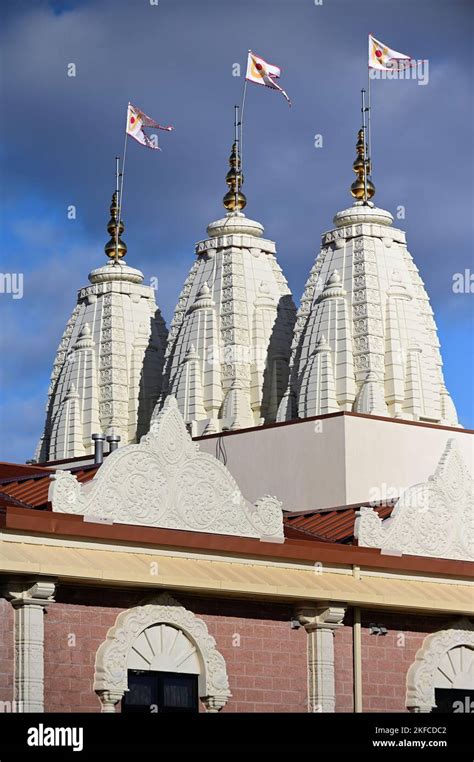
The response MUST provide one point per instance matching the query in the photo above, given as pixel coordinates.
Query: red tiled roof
(6, 500)
(14, 470)
(329, 526)
(29, 486)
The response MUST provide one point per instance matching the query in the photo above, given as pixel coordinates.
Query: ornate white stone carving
(238, 313)
(29, 600)
(433, 518)
(116, 326)
(165, 481)
(445, 660)
(117, 653)
(386, 299)
(320, 623)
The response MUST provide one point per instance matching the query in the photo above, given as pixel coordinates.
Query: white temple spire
(366, 295)
(318, 388)
(67, 432)
(236, 310)
(111, 354)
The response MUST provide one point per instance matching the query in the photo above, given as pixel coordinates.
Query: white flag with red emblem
(383, 57)
(263, 73)
(136, 121)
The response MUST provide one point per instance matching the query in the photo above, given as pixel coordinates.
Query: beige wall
(298, 464)
(384, 457)
(335, 461)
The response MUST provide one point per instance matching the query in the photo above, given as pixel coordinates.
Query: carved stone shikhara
(445, 660)
(165, 481)
(229, 341)
(107, 372)
(433, 518)
(114, 657)
(365, 339)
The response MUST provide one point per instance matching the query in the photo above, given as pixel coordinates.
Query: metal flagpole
(237, 148)
(369, 130)
(117, 191)
(365, 145)
(242, 126)
(120, 191)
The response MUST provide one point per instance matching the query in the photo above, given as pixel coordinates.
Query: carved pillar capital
(215, 703)
(109, 700)
(322, 617)
(320, 622)
(28, 592)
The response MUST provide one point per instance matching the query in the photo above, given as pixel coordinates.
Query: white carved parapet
(165, 481)
(433, 518)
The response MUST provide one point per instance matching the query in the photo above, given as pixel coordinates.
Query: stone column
(215, 703)
(320, 623)
(109, 700)
(29, 598)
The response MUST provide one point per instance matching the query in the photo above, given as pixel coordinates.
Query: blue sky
(59, 136)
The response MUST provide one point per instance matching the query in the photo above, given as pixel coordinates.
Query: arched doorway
(442, 675)
(162, 656)
(163, 672)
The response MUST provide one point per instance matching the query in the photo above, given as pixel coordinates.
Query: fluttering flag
(263, 73)
(136, 121)
(383, 57)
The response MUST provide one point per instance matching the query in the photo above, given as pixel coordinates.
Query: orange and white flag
(263, 73)
(383, 57)
(136, 121)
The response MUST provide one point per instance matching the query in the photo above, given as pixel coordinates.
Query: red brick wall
(6, 650)
(73, 634)
(267, 665)
(266, 659)
(387, 658)
(344, 667)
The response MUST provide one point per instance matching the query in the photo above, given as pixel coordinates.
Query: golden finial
(234, 200)
(115, 248)
(362, 188)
